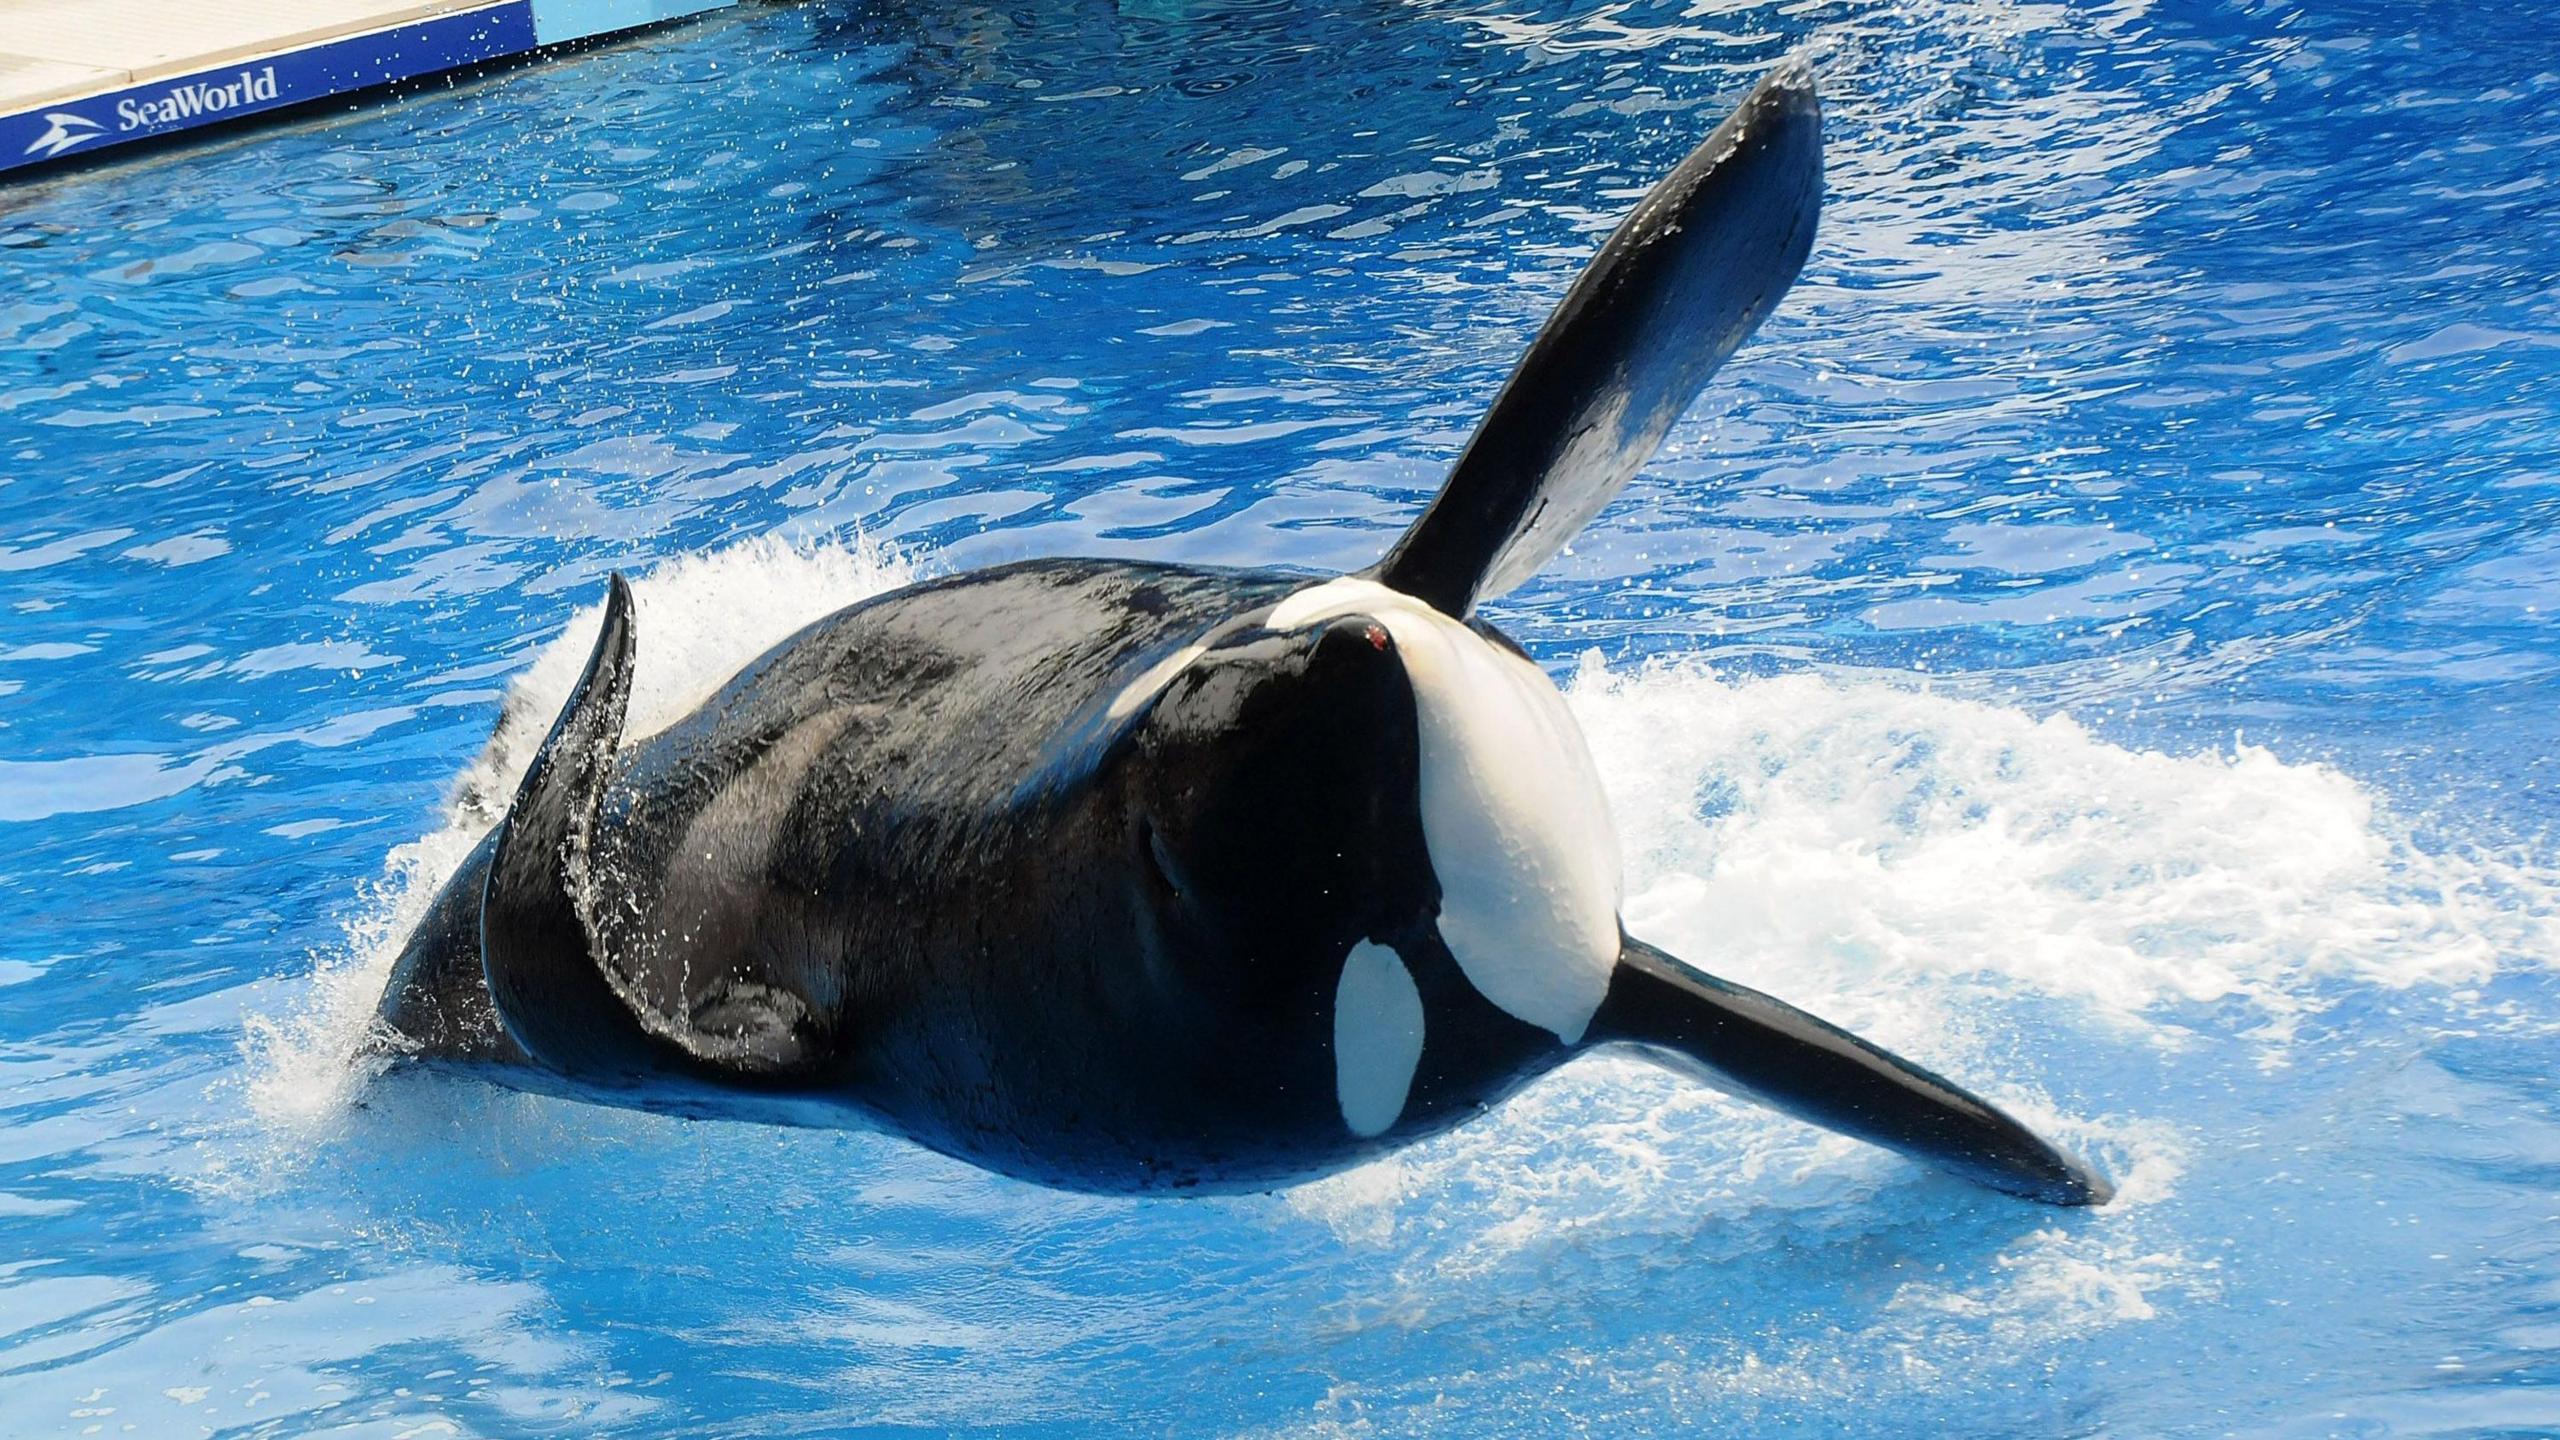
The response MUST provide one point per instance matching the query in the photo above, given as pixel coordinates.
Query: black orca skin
(1103, 875)
(1087, 962)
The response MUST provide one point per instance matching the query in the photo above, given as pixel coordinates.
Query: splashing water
(1845, 834)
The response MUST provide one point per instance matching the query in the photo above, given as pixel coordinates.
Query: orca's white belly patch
(1512, 814)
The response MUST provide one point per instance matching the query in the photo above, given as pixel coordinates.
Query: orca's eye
(1159, 860)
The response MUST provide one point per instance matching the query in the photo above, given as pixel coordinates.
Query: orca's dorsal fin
(1678, 287)
(544, 981)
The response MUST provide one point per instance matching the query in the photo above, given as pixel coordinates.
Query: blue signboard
(160, 107)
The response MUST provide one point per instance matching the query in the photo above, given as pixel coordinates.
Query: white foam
(699, 619)
(1849, 840)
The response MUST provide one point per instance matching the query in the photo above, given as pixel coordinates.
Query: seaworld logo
(185, 102)
(64, 130)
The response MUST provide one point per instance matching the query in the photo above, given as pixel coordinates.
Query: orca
(1120, 876)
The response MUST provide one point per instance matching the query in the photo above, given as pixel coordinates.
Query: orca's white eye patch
(1377, 1038)
(1517, 831)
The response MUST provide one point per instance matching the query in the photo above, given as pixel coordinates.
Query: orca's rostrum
(1125, 876)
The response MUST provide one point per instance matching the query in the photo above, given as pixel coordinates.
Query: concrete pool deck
(79, 76)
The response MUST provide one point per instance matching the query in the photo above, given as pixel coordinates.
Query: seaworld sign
(67, 126)
(174, 109)
(185, 102)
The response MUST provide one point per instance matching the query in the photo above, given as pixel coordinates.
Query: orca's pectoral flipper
(1809, 1068)
(544, 980)
(1679, 286)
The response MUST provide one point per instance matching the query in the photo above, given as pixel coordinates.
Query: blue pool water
(2097, 639)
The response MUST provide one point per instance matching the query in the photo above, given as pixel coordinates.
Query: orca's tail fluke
(1741, 1040)
(1677, 288)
